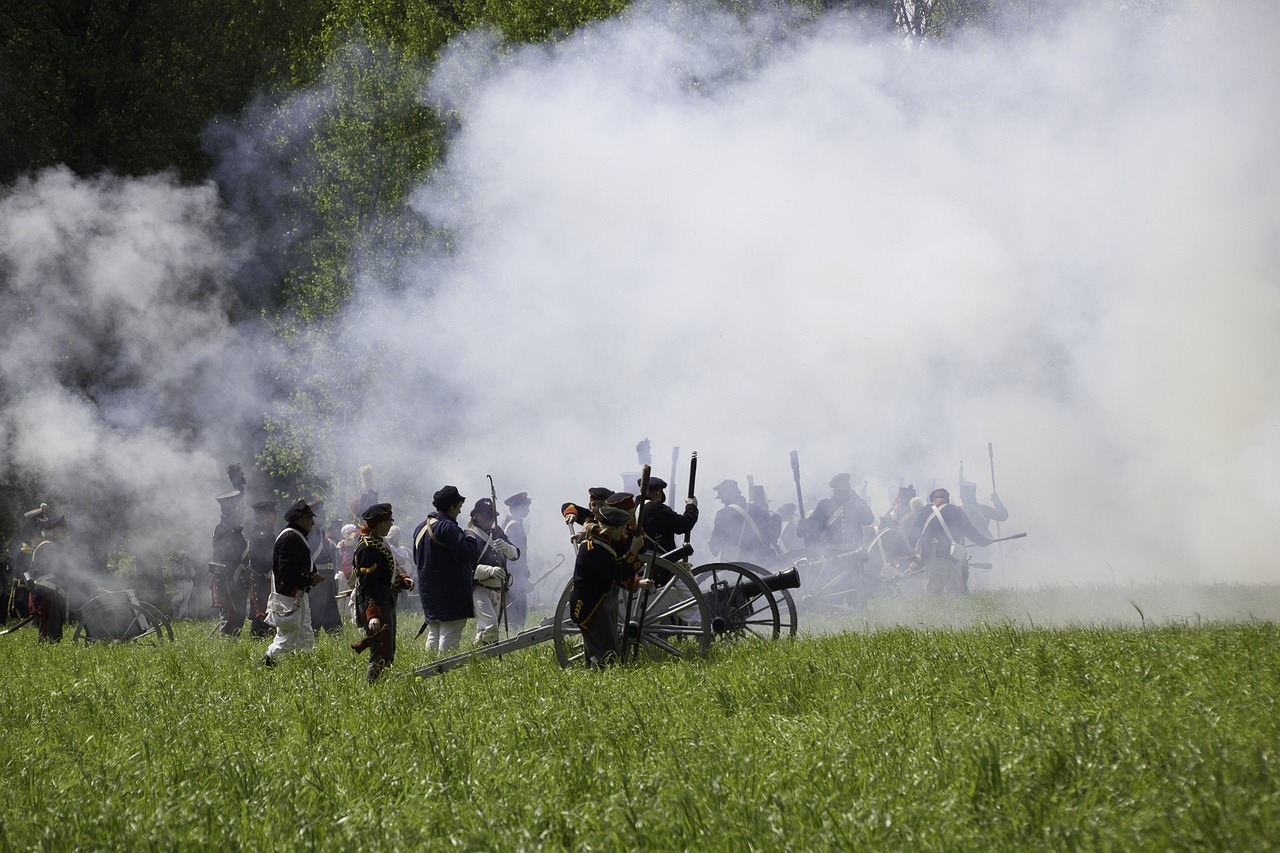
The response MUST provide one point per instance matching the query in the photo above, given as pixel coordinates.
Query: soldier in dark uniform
(838, 521)
(289, 609)
(445, 559)
(660, 522)
(606, 560)
(943, 531)
(49, 578)
(518, 578)
(230, 586)
(577, 514)
(262, 540)
(377, 585)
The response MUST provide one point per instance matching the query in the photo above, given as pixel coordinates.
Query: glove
(495, 573)
(690, 501)
(403, 581)
(375, 625)
(506, 549)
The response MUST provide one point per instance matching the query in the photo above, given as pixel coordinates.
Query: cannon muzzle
(785, 579)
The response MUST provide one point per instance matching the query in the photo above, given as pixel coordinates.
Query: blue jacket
(445, 558)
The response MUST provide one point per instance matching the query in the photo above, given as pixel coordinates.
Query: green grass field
(981, 724)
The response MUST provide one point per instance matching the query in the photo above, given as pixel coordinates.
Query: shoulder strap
(937, 513)
(749, 520)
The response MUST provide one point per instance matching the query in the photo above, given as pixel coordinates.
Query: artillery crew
(838, 521)
(660, 522)
(735, 533)
(377, 586)
(606, 559)
(445, 559)
(943, 531)
(288, 608)
(490, 579)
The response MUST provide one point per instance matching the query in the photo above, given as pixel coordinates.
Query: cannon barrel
(785, 579)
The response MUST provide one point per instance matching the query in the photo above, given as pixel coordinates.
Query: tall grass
(998, 736)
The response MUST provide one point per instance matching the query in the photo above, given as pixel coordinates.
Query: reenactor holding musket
(48, 578)
(377, 586)
(607, 558)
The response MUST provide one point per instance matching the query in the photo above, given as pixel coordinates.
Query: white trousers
(488, 604)
(444, 636)
(291, 616)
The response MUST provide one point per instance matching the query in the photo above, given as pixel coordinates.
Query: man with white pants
(288, 608)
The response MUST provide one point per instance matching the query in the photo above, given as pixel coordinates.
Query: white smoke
(743, 236)
(686, 227)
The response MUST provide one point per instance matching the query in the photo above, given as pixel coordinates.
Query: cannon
(117, 617)
(679, 618)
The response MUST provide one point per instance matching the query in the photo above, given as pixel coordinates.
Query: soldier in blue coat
(445, 558)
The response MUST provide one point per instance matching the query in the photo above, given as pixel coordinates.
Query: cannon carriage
(117, 617)
(679, 618)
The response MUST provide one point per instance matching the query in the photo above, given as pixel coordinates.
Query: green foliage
(997, 738)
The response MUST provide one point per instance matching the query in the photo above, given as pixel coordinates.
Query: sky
(743, 237)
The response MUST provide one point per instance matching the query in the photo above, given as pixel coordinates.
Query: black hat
(838, 479)
(518, 499)
(52, 523)
(758, 493)
(939, 493)
(727, 486)
(376, 511)
(446, 497)
(266, 506)
(906, 493)
(229, 496)
(484, 506)
(613, 516)
(622, 500)
(600, 493)
(654, 483)
(297, 511)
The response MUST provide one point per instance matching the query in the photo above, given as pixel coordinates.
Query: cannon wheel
(158, 629)
(764, 614)
(671, 621)
(830, 583)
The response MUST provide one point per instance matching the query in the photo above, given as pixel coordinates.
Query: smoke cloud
(743, 236)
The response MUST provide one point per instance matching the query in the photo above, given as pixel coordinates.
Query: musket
(693, 478)
(502, 596)
(640, 499)
(795, 472)
(17, 625)
(671, 492)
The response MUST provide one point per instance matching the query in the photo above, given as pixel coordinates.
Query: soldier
(901, 507)
(377, 586)
(262, 540)
(490, 576)
(183, 572)
(660, 522)
(325, 614)
(838, 524)
(607, 559)
(230, 587)
(979, 516)
(940, 545)
(289, 609)
(445, 560)
(49, 578)
(576, 514)
(518, 577)
(788, 538)
(735, 534)
(768, 523)
(17, 593)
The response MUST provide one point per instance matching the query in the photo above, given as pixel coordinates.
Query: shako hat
(265, 506)
(518, 499)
